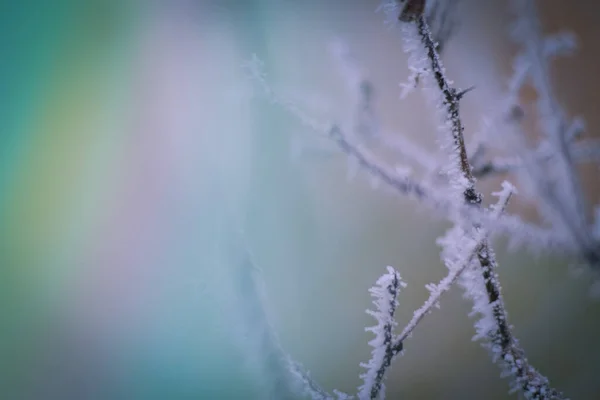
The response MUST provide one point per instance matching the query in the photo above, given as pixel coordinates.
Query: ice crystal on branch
(385, 298)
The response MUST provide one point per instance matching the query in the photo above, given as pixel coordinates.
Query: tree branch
(557, 182)
(385, 294)
(503, 343)
(436, 291)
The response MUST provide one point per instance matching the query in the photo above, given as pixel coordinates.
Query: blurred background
(132, 145)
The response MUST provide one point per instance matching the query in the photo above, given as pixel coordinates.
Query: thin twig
(451, 103)
(385, 294)
(401, 182)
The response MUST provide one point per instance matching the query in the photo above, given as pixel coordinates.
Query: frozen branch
(310, 387)
(401, 182)
(423, 55)
(286, 377)
(483, 285)
(466, 248)
(385, 348)
(556, 182)
(520, 233)
(437, 290)
(365, 125)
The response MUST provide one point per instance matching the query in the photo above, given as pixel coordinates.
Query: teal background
(133, 148)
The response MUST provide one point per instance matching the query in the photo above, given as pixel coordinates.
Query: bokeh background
(132, 145)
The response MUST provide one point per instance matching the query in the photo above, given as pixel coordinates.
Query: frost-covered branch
(555, 178)
(437, 290)
(466, 248)
(385, 348)
(366, 128)
(482, 283)
(520, 233)
(581, 151)
(289, 379)
(483, 287)
(587, 151)
(548, 173)
(311, 387)
(396, 179)
(274, 360)
(286, 377)
(461, 172)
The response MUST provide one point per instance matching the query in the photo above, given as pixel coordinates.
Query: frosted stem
(436, 291)
(385, 348)
(531, 383)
